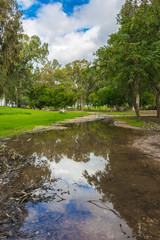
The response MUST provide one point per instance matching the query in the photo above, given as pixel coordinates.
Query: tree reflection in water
(105, 183)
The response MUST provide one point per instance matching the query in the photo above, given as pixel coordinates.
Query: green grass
(123, 113)
(102, 108)
(132, 122)
(14, 121)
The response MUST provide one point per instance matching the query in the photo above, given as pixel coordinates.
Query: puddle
(84, 182)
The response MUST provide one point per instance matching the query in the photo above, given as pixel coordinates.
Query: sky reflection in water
(102, 186)
(70, 170)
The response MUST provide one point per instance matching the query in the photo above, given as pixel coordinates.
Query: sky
(74, 29)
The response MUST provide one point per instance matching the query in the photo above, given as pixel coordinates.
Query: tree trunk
(81, 104)
(158, 103)
(137, 100)
(135, 96)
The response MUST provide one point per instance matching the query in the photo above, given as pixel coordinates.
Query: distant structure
(2, 102)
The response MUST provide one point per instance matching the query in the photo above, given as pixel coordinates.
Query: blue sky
(74, 29)
(67, 6)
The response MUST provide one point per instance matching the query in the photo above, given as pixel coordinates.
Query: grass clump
(14, 121)
(131, 122)
(123, 113)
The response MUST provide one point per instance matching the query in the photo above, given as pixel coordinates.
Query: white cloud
(66, 43)
(25, 4)
(72, 171)
(75, 45)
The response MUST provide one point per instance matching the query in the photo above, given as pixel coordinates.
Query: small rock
(109, 121)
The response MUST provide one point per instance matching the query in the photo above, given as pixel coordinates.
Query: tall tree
(73, 76)
(78, 76)
(10, 46)
(151, 12)
(47, 73)
(131, 57)
(140, 21)
(33, 52)
(63, 76)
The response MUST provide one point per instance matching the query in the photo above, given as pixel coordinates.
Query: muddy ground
(150, 142)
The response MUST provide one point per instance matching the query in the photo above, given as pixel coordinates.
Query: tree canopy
(131, 58)
(125, 71)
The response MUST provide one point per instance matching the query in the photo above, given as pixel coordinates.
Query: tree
(148, 99)
(63, 76)
(131, 57)
(62, 98)
(47, 73)
(10, 46)
(152, 41)
(111, 96)
(32, 53)
(73, 76)
(142, 23)
(78, 76)
(19, 55)
(95, 79)
(93, 99)
(40, 97)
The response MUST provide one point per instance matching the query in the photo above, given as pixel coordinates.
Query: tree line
(125, 71)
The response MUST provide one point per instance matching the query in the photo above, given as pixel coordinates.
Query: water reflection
(71, 170)
(76, 143)
(95, 185)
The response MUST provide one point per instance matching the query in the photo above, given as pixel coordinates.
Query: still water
(87, 183)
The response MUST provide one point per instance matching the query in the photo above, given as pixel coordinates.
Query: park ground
(14, 121)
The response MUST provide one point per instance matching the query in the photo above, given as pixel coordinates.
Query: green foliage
(73, 77)
(48, 73)
(18, 55)
(58, 97)
(126, 70)
(39, 97)
(131, 61)
(61, 98)
(93, 99)
(148, 99)
(32, 53)
(107, 96)
(10, 46)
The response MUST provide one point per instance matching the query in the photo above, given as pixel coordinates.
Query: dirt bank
(150, 144)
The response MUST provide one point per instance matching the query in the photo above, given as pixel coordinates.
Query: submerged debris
(9, 162)
(14, 194)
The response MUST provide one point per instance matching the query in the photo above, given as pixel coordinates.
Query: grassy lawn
(132, 122)
(123, 113)
(14, 121)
